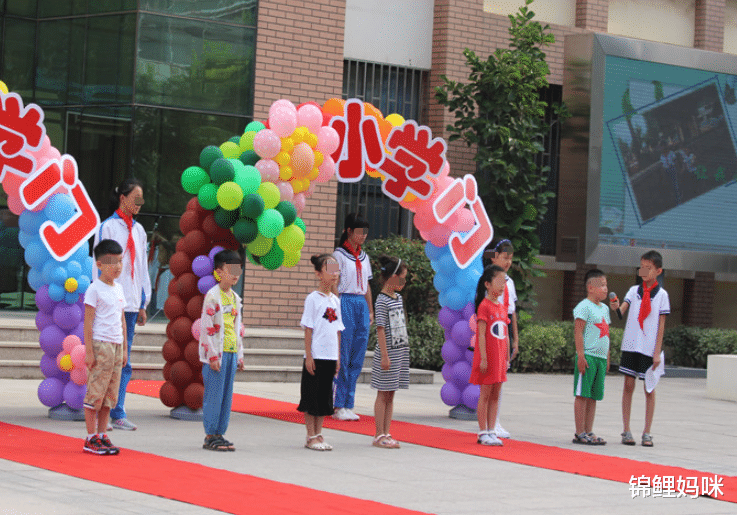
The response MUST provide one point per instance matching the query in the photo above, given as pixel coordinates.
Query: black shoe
(107, 443)
(95, 446)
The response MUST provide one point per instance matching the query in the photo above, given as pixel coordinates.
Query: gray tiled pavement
(690, 431)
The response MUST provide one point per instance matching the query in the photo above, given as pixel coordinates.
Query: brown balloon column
(183, 370)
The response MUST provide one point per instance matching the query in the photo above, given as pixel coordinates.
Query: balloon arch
(250, 190)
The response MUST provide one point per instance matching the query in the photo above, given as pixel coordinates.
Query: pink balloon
(445, 171)
(466, 220)
(11, 184)
(269, 170)
(303, 159)
(53, 153)
(310, 116)
(70, 342)
(286, 192)
(196, 329)
(266, 143)
(78, 355)
(439, 235)
(282, 121)
(299, 201)
(327, 169)
(310, 189)
(79, 375)
(282, 103)
(327, 140)
(15, 205)
(424, 220)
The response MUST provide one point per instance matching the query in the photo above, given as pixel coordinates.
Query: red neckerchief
(645, 304)
(131, 245)
(359, 267)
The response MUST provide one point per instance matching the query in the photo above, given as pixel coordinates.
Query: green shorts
(590, 384)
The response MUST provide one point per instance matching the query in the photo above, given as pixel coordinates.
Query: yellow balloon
(285, 173)
(3, 87)
(319, 158)
(301, 133)
(70, 285)
(290, 259)
(260, 246)
(311, 139)
(395, 119)
(246, 141)
(230, 150)
(283, 158)
(375, 174)
(287, 144)
(313, 174)
(65, 363)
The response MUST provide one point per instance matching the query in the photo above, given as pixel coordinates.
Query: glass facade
(129, 88)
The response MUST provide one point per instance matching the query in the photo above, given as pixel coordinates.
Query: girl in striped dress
(390, 370)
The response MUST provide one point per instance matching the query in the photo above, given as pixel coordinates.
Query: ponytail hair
(391, 266)
(489, 273)
(318, 261)
(352, 221)
(124, 188)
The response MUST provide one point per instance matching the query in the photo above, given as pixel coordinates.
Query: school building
(139, 87)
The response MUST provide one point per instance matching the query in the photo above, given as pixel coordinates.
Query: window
(550, 157)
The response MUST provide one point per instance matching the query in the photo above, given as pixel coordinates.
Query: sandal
(228, 445)
(647, 440)
(393, 444)
(382, 442)
(214, 443)
(627, 438)
(583, 438)
(596, 440)
(312, 443)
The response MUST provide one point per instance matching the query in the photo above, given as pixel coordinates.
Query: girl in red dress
(491, 354)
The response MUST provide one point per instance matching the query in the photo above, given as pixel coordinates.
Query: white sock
(89, 437)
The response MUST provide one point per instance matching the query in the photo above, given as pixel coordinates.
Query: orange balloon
(334, 107)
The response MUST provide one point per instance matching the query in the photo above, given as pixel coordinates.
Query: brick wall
(574, 289)
(698, 300)
(299, 56)
(592, 15)
(709, 33)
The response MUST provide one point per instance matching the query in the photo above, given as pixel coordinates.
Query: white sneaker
(124, 424)
(341, 414)
(500, 432)
(489, 439)
(109, 427)
(352, 416)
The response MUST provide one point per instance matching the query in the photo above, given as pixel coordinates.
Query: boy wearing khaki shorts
(104, 334)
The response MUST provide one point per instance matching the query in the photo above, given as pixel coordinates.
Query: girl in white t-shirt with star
(322, 324)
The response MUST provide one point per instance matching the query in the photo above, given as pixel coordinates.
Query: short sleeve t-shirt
(642, 340)
(229, 337)
(596, 331)
(349, 280)
(511, 308)
(109, 303)
(322, 315)
(389, 314)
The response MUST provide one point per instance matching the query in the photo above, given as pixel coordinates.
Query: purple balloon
(79, 331)
(51, 392)
(205, 283)
(470, 396)
(450, 394)
(451, 352)
(67, 316)
(461, 334)
(202, 266)
(43, 320)
(469, 356)
(447, 372)
(215, 250)
(469, 310)
(43, 301)
(74, 394)
(49, 368)
(461, 373)
(448, 317)
(51, 341)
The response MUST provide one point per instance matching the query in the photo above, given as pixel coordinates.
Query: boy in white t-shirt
(104, 334)
(643, 339)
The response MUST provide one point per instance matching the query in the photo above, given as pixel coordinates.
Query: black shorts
(317, 390)
(635, 364)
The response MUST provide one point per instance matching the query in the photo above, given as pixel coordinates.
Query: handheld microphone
(613, 298)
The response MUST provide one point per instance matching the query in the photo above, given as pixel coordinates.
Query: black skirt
(317, 390)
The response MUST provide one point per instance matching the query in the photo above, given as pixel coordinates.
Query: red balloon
(210, 227)
(192, 204)
(180, 264)
(187, 286)
(229, 242)
(192, 353)
(189, 221)
(174, 307)
(193, 396)
(181, 330)
(166, 372)
(170, 395)
(172, 288)
(194, 244)
(171, 351)
(181, 374)
(194, 307)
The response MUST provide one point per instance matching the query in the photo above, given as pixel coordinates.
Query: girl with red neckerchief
(125, 203)
(357, 308)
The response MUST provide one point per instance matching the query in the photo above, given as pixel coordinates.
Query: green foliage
(690, 346)
(426, 339)
(419, 294)
(500, 112)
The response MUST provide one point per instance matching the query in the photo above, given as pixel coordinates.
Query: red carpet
(525, 453)
(208, 487)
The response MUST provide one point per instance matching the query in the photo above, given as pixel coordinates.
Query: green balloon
(235, 139)
(249, 157)
(274, 258)
(260, 246)
(253, 259)
(237, 165)
(208, 196)
(248, 178)
(230, 196)
(245, 230)
(208, 155)
(254, 127)
(299, 223)
(193, 178)
(221, 171)
(291, 239)
(288, 211)
(225, 218)
(270, 223)
(252, 206)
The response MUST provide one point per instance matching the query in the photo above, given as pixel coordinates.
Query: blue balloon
(455, 298)
(80, 254)
(60, 208)
(56, 292)
(35, 279)
(25, 237)
(71, 297)
(86, 266)
(447, 263)
(442, 282)
(83, 283)
(58, 275)
(30, 221)
(74, 269)
(435, 264)
(433, 252)
(36, 253)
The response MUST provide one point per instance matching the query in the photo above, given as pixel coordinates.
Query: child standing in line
(390, 368)
(491, 354)
(358, 312)
(501, 254)
(591, 334)
(643, 339)
(104, 334)
(221, 349)
(322, 322)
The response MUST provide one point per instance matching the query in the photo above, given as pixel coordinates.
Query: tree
(500, 111)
